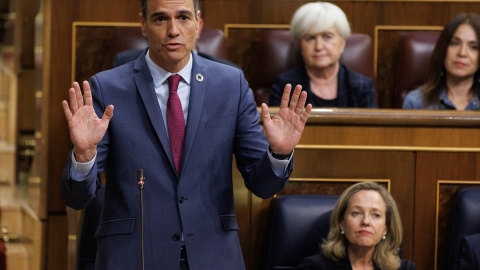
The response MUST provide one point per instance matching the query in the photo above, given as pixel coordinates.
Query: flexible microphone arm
(141, 182)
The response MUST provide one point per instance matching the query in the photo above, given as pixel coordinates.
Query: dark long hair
(436, 73)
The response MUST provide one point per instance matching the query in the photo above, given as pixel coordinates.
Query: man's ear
(199, 22)
(142, 24)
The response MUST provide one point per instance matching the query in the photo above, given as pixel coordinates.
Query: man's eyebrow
(156, 14)
(185, 12)
(181, 12)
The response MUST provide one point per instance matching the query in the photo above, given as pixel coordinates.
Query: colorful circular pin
(199, 77)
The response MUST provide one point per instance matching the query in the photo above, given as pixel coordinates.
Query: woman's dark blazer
(320, 262)
(354, 89)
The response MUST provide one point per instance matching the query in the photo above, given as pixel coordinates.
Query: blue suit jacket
(223, 120)
(470, 252)
(354, 89)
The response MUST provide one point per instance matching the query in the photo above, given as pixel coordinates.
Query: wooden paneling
(107, 11)
(97, 44)
(57, 252)
(431, 168)
(26, 101)
(56, 134)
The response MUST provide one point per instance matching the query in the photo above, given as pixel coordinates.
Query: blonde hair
(385, 255)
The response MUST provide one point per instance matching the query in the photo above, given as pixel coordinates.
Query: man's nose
(173, 29)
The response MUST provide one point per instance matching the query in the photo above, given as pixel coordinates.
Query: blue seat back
(297, 224)
(465, 221)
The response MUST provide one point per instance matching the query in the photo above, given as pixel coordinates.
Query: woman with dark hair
(365, 233)
(452, 81)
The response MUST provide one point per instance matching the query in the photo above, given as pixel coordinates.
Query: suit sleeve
(250, 148)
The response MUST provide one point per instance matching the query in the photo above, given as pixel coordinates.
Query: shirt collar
(160, 75)
(474, 104)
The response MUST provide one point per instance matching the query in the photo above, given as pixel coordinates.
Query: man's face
(171, 28)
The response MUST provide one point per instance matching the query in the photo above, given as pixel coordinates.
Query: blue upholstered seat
(297, 224)
(465, 221)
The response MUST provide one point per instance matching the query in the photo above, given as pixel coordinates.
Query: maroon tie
(175, 121)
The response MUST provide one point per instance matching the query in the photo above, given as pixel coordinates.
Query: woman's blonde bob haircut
(317, 17)
(385, 255)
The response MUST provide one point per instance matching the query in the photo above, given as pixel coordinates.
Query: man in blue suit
(188, 201)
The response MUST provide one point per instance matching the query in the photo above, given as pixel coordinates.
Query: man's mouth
(173, 46)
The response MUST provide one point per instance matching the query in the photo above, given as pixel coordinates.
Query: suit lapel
(146, 89)
(198, 84)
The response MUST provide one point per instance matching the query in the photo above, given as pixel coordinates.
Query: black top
(320, 262)
(353, 91)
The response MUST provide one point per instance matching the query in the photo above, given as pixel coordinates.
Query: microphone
(141, 182)
(140, 179)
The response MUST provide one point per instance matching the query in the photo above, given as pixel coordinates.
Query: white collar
(160, 75)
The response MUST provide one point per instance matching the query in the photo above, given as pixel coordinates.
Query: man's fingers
(78, 94)
(301, 103)
(306, 113)
(286, 96)
(66, 110)
(108, 114)
(265, 114)
(87, 94)
(295, 96)
(73, 100)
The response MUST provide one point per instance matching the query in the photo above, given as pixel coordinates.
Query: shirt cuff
(279, 166)
(82, 169)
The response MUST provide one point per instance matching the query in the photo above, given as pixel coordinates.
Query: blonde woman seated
(452, 81)
(319, 30)
(365, 232)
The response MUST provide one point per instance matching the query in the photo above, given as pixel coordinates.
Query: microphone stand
(141, 182)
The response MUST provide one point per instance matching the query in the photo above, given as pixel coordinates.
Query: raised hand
(285, 129)
(86, 129)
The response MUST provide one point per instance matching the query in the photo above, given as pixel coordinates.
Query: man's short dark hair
(143, 7)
